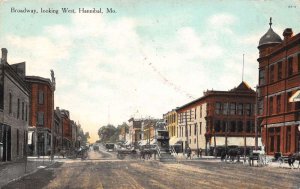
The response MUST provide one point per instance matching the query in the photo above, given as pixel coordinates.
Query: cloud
(107, 71)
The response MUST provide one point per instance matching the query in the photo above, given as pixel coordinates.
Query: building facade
(14, 110)
(66, 129)
(279, 84)
(219, 118)
(41, 113)
(171, 124)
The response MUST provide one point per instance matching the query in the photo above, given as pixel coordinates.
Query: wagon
(122, 153)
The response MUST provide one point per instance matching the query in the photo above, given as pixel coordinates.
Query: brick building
(218, 118)
(279, 84)
(66, 129)
(14, 106)
(41, 113)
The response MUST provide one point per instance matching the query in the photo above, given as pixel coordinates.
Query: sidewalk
(10, 171)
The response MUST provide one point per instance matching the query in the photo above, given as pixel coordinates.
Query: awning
(295, 97)
(174, 140)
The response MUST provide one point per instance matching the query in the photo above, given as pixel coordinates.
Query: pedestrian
(189, 153)
(200, 151)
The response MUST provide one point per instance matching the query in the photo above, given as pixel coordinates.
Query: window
(41, 97)
(10, 103)
(26, 113)
(190, 130)
(240, 126)
(260, 106)
(194, 141)
(279, 71)
(217, 126)
(17, 142)
(248, 109)
(196, 113)
(271, 106)
(232, 126)
(248, 126)
(288, 139)
(22, 110)
(290, 66)
(232, 108)
(195, 129)
(200, 128)
(200, 111)
(289, 104)
(272, 73)
(240, 109)
(225, 108)
(261, 77)
(224, 129)
(190, 114)
(272, 144)
(278, 107)
(218, 108)
(18, 109)
(40, 117)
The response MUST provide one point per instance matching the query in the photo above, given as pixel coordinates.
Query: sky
(143, 60)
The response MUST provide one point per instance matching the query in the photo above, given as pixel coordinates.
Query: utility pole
(226, 133)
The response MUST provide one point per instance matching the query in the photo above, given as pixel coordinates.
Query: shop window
(271, 143)
(288, 139)
(225, 109)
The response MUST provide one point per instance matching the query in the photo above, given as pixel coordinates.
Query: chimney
(4, 55)
(287, 33)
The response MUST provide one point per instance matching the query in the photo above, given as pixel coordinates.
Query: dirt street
(105, 171)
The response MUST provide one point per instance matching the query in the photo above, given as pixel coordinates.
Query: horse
(234, 153)
(292, 158)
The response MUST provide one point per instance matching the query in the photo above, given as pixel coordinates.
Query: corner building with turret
(278, 91)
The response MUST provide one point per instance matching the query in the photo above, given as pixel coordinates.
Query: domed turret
(270, 37)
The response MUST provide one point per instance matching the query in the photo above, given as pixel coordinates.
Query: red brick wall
(47, 107)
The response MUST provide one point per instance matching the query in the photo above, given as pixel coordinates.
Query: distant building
(172, 126)
(219, 118)
(41, 113)
(14, 110)
(278, 91)
(66, 129)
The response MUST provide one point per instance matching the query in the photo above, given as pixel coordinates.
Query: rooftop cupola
(270, 37)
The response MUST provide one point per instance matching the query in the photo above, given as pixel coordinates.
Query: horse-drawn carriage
(127, 152)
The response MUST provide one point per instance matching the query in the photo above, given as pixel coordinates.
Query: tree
(106, 132)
